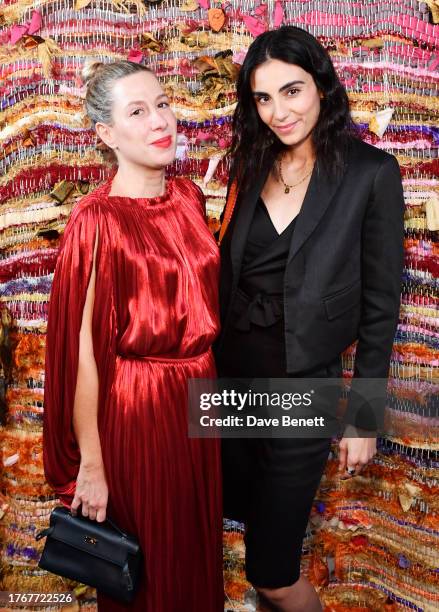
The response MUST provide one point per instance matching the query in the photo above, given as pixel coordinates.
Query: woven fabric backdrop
(373, 541)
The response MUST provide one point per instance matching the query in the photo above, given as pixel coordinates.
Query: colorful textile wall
(373, 541)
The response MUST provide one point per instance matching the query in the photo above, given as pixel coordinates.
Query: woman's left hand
(355, 452)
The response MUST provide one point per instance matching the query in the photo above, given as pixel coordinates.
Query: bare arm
(91, 487)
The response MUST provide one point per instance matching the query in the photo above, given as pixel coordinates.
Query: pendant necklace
(289, 187)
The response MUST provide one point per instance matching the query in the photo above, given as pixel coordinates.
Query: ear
(105, 133)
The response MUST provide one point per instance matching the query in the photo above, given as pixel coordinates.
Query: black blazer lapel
(244, 216)
(321, 190)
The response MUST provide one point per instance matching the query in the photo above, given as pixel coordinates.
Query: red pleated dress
(154, 320)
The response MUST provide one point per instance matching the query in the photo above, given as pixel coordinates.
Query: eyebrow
(281, 89)
(163, 95)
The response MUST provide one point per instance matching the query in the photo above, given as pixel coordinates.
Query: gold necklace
(288, 187)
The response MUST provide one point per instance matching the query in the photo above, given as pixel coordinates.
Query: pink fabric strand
(278, 14)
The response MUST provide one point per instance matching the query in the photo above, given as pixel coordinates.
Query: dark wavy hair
(254, 145)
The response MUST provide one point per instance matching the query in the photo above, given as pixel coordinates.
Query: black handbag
(97, 554)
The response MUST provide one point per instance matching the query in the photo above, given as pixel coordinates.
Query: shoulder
(188, 187)
(366, 156)
(90, 202)
(378, 174)
(192, 193)
(92, 205)
(90, 211)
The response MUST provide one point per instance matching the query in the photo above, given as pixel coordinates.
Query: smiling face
(144, 129)
(287, 100)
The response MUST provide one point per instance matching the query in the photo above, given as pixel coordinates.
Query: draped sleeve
(71, 279)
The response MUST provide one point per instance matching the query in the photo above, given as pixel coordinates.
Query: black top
(263, 269)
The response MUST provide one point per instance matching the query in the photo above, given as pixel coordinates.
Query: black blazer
(344, 270)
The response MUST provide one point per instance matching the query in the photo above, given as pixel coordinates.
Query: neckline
(289, 226)
(150, 202)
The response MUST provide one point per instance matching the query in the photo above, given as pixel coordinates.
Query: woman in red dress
(133, 313)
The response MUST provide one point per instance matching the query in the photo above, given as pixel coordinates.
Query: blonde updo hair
(99, 79)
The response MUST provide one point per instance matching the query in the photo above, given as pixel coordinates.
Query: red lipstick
(163, 143)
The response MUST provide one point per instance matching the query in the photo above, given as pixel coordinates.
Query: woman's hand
(355, 452)
(91, 492)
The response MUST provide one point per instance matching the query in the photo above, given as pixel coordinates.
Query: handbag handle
(48, 530)
(122, 533)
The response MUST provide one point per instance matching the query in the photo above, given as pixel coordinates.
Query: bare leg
(299, 597)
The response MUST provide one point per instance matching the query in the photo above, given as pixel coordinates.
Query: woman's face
(144, 127)
(287, 100)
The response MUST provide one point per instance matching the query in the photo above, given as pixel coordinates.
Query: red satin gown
(155, 317)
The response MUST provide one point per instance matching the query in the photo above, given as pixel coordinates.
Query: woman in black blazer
(312, 258)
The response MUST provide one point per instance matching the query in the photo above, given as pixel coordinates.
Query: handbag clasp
(91, 540)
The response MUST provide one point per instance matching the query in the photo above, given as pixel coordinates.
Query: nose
(280, 110)
(157, 120)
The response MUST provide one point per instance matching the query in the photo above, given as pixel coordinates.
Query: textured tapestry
(372, 541)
